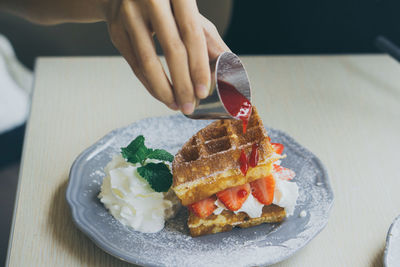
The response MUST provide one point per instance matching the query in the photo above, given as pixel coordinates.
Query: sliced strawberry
(253, 160)
(244, 164)
(234, 197)
(278, 148)
(283, 173)
(263, 189)
(204, 208)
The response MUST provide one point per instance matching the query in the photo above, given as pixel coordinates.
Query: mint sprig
(157, 175)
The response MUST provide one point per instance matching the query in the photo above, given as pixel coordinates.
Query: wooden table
(346, 109)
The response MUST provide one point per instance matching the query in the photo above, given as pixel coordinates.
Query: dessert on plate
(227, 177)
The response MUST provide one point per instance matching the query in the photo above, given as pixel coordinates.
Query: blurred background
(248, 27)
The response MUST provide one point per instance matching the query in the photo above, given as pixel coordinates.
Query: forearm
(57, 11)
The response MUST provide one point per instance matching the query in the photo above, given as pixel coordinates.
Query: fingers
(188, 20)
(143, 46)
(215, 44)
(164, 25)
(189, 42)
(121, 41)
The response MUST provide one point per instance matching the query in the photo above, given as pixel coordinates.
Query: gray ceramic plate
(391, 257)
(261, 245)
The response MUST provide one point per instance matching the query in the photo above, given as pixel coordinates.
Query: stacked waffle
(211, 176)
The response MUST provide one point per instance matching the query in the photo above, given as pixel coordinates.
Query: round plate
(391, 256)
(260, 245)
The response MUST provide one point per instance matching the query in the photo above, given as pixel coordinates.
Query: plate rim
(74, 205)
(389, 239)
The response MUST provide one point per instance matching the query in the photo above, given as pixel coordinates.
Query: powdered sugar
(260, 245)
(303, 213)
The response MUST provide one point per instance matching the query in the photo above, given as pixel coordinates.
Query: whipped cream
(131, 200)
(251, 206)
(285, 196)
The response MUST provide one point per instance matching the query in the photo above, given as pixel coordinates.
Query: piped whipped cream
(131, 200)
(285, 196)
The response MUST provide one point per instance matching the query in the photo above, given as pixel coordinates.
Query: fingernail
(188, 108)
(174, 106)
(202, 91)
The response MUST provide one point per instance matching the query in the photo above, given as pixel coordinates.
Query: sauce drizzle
(236, 103)
(253, 160)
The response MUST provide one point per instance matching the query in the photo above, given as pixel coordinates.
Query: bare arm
(57, 11)
(189, 40)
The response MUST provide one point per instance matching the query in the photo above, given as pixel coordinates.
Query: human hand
(188, 39)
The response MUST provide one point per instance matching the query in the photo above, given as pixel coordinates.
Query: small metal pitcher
(227, 68)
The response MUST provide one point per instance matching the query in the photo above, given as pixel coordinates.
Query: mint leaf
(160, 154)
(136, 151)
(157, 175)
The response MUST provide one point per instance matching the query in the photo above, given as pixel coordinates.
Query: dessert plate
(391, 255)
(261, 245)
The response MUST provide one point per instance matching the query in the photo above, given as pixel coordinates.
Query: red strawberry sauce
(239, 107)
(244, 164)
(236, 103)
(253, 160)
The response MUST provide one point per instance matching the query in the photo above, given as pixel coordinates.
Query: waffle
(209, 161)
(227, 220)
